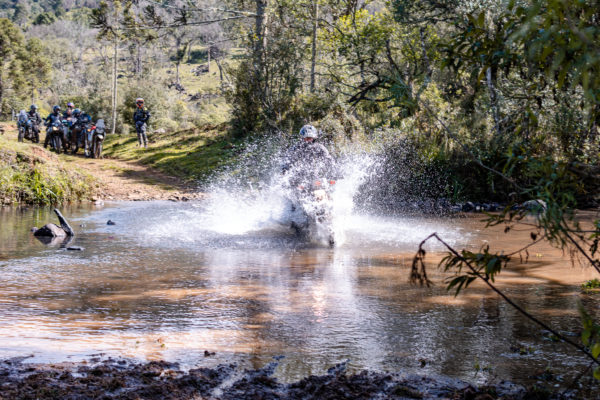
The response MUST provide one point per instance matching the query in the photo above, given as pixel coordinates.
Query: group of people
(76, 119)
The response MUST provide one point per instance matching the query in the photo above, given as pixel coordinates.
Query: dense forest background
(482, 99)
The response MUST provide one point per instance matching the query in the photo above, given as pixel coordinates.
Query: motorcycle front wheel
(57, 143)
(97, 149)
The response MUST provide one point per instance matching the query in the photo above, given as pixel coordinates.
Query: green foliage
(11, 40)
(591, 284)
(590, 336)
(45, 18)
(486, 266)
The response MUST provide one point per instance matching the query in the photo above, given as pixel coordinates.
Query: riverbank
(30, 174)
(123, 379)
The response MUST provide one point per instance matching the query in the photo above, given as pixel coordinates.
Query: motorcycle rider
(50, 119)
(141, 117)
(308, 161)
(35, 119)
(68, 114)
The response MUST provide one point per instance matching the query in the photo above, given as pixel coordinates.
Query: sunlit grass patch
(190, 154)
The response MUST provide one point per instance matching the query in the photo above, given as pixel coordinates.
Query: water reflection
(149, 290)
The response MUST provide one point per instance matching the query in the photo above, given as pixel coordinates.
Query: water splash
(247, 207)
(253, 195)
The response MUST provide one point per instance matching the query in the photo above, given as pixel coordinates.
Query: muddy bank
(123, 379)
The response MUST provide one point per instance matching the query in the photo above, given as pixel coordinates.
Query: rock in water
(75, 248)
(111, 222)
(468, 207)
(537, 206)
(50, 230)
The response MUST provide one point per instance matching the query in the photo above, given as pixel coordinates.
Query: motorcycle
(22, 125)
(312, 211)
(55, 130)
(31, 132)
(22, 131)
(97, 135)
(67, 126)
(78, 135)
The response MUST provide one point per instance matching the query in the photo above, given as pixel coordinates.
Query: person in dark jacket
(68, 114)
(140, 118)
(35, 119)
(50, 119)
(308, 161)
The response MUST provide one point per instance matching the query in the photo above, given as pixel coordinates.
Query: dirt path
(120, 180)
(123, 180)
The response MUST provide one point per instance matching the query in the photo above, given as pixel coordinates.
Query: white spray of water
(239, 209)
(249, 209)
(355, 168)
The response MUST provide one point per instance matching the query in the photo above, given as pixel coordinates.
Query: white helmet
(309, 131)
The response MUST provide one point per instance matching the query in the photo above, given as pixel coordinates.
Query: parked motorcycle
(31, 132)
(312, 207)
(22, 125)
(98, 133)
(55, 130)
(67, 125)
(78, 133)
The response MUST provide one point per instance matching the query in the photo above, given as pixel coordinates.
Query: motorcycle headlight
(320, 195)
(100, 137)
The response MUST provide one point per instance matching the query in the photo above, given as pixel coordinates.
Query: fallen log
(52, 230)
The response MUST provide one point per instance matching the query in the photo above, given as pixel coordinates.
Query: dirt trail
(119, 180)
(123, 180)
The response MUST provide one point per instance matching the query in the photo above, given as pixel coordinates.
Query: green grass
(191, 154)
(591, 285)
(31, 175)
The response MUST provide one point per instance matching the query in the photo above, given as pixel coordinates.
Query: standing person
(141, 117)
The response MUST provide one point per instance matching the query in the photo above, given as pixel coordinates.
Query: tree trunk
(220, 69)
(313, 62)
(138, 61)
(114, 86)
(208, 59)
(259, 45)
(1, 91)
(493, 100)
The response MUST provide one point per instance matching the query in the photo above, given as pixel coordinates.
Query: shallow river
(171, 280)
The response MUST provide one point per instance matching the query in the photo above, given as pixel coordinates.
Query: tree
(11, 40)
(22, 12)
(44, 18)
(35, 66)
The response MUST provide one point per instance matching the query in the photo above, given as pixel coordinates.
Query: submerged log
(52, 230)
(64, 224)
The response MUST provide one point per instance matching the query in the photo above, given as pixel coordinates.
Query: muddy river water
(173, 280)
